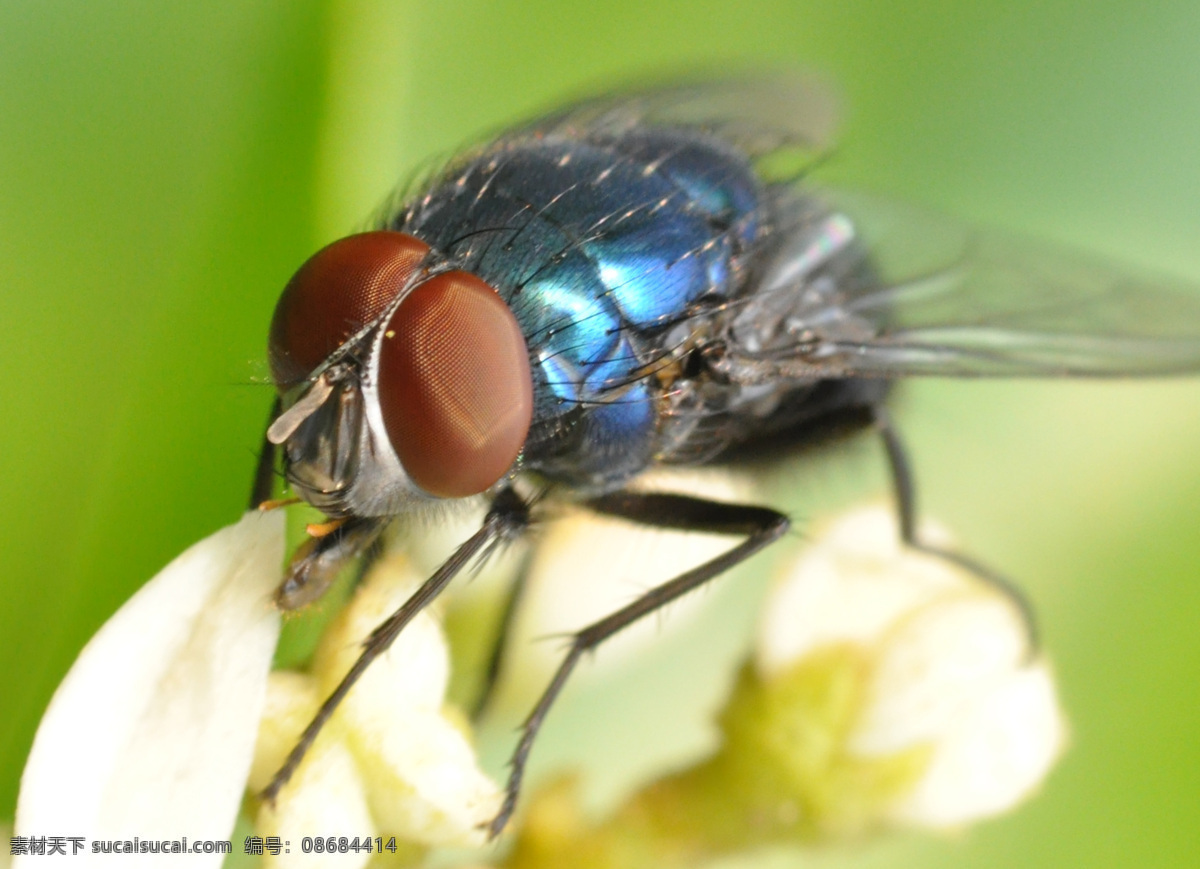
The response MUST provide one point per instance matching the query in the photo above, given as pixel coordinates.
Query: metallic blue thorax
(599, 246)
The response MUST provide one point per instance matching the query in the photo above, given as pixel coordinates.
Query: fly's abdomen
(598, 247)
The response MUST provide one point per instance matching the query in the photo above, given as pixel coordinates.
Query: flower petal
(423, 782)
(999, 755)
(325, 798)
(936, 665)
(850, 584)
(947, 675)
(954, 676)
(151, 732)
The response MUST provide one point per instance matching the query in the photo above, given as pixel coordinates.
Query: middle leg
(761, 526)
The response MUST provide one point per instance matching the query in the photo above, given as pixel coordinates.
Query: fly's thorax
(751, 375)
(600, 245)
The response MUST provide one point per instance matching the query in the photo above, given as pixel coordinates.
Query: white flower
(151, 732)
(401, 761)
(947, 680)
(169, 713)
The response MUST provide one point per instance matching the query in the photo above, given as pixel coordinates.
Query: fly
(640, 280)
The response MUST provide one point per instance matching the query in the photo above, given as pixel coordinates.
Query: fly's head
(403, 380)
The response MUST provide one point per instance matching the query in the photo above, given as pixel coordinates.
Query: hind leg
(906, 509)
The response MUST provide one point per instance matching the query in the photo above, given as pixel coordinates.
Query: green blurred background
(164, 168)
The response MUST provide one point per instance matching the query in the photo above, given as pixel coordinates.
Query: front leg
(506, 520)
(264, 468)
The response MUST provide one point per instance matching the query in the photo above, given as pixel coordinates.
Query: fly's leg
(506, 520)
(496, 661)
(264, 470)
(760, 525)
(906, 508)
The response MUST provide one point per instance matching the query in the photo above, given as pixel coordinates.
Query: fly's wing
(937, 298)
(767, 116)
(783, 123)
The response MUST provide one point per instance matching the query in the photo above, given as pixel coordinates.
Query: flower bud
(944, 683)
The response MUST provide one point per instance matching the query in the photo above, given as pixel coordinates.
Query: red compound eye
(454, 385)
(341, 288)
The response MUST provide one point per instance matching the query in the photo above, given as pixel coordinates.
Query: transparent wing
(784, 122)
(764, 116)
(942, 298)
(939, 298)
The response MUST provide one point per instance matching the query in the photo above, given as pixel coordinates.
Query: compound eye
(454, 385)
(341, 288)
